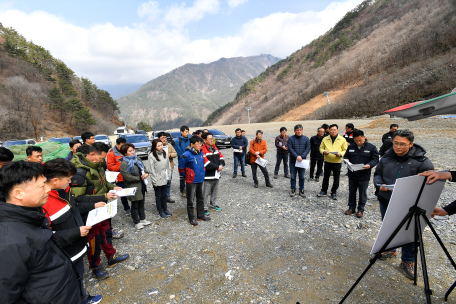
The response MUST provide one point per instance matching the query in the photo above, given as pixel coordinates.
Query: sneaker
(184, 194)
(216, 208)
(204, 219)
(117, 234)
(163, 215)
(115, 259)
(409, 269)
(322, 193)
(93, 299)
(243, 174)
(167, 213)
(139, 226)
(333, 196)
(276, 176)
(317, 180)
(128, 212)
(255, 185)
(170, 200)
(301, 192)
(99, 274)
(145, 222)
(206, 213)
(234, 175)
(287, 176)
(194, 222)
(387, 255)
(293, 192)
(269, 185)
(311, 179)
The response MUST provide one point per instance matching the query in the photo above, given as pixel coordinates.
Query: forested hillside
(188, 94)
(382, 54)
(41, 96)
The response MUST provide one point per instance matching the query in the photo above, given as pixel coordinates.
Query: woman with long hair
(134, 174)
(160, 173)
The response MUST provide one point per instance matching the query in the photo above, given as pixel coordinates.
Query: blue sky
(122, 42)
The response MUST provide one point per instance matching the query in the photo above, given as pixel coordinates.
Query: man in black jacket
(214, 164)
(316, 158)
(405, 159)
(389, 135)
(349, 129)
(359, 152)
(34, 267)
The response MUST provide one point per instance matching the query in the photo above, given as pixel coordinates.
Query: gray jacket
(160, 171)
(133, 180)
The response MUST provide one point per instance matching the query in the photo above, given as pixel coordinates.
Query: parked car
(121, 130)
(169, 137)
(104, 139)
(62, 140)
(78, 138)
(143, 133)
(221, 139)
(142, 144)
(14, 142)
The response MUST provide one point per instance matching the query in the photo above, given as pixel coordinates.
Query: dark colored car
(221, 139)
(62, 140)
(169, 137)
(141, 143)
(15, 142)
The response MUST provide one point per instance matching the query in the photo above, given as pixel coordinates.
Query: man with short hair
(181, 145)
(389, 135)
(74, 145)
(360, 152)
(192, 171)
(326, 127)
(258, 149)
(299, 147)
(5, 156)
(405, 159)
(213, 163)
(64, 216)
(35, 268)
(239, 144)
(171, 153)
(113, 164)
(89, 185)
(243, 133)
(198, 133)
(88, 138)
(333, 147)
(282, 153)
(316, 158)
(349, 128)
(34, 154)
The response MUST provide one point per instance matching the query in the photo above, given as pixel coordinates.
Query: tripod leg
(415, 250)
(427, 290)
(449, 291)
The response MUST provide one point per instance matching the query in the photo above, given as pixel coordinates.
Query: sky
(132, 42)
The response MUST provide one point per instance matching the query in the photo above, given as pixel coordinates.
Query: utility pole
(327, 94)
(248, 112)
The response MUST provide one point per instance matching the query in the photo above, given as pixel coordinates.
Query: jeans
(161, 198)
(319, 164)
(263, 170)
(408, 254)
(192, 190)
(335, 168)
(281, 157)
(123, 199)
(137, 211)
(301, 173)
(80, 268)
(210, 189)
(354, 186)
(168, 186)
(239, 158)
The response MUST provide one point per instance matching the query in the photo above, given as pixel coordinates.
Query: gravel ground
(266, 247)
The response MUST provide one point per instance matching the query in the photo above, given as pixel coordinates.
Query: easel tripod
(415, 213)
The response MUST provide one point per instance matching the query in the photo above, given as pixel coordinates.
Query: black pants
(335, 169)
(137, 210)
(319, 164)
(353, 186)
(161, 197)
(123, 199)
(281, 157)
(254, 173)
(80, 268)
(192, 190)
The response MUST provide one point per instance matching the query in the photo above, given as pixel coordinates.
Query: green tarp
(51, 150)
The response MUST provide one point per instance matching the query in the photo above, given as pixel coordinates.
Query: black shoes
(322, 193)
(205, 219)
(243, 174)
(333, 196)
(234, 175)
(301, 192)
(293, 192)
(409, 269)
(269, 185)
(170, 200)
(255, 185)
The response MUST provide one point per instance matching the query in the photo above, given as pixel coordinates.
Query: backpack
(247, 157)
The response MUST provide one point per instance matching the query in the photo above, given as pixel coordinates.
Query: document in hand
(103, 213)
(218, 174)
(335, 153)
(165, 148)
(111, 176)
(354, 167)
(145, 180)
(261, 161)
(302, 164)
(389, 187)
(124, 192)
(237, 151)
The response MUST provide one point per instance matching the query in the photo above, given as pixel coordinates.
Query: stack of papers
(335, 153)
(103, 213)
(261, 161)
(389, 187)
(302, 164)
(124, 192)
(111, 176)
(218, 174)
(354, 167)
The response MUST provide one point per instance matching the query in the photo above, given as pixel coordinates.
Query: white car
(104, 139)
(121, 130)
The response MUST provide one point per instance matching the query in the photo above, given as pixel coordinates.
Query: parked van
(121, 130)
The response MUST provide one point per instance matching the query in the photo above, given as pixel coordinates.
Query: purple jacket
(281, 142)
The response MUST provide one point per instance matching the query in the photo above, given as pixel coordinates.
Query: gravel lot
(266, 247)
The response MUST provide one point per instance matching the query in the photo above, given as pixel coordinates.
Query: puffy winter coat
(340, 145)
(34, 267)
(349, 137)
(237, 142)
(213, 159)
(367, 155)
(387, 136)
(257, 146)
(315, 143)
(134, 180)
(113, 162)
(191, 167)
(298, 146)
(160, 171)
(181, 144)
(281, 142)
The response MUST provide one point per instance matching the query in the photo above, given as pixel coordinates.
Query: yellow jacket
(340, 145)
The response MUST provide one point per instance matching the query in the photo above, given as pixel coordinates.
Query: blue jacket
(239, 142)
(69, 156)
(180, 148)
(298, 146)
(367, 155)
(191, 167)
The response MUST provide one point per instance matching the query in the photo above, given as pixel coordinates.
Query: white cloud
(149, 10)
(234, 3)
(109, 54)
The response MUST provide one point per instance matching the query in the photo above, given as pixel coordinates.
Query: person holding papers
(405, 159)
(258, 149)
(113, 163)
(239, 144)
(282, 153)
(214, 163)
(134, 175)
(170, 153)
(316, 158)
(160, 173)
(299, 147)
(333, 147)
(433, 176)
(365, 153)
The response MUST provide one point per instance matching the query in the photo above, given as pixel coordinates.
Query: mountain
(188, 94)
(382, 54)
(120, 90)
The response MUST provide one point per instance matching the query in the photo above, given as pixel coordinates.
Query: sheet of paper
(305, 163)
(261, 161)
(280, 144)
(218, 174)
(354, 167)
(145, 180)
(237, 151)
(165, 148)
(389, 187)
(111, 176)
(125, 192)
(103, 213)
(335, 153)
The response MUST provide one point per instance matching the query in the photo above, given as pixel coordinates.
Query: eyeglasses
(402, 145)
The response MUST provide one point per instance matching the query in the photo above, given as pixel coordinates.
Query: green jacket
(89, 184)
(133, 180)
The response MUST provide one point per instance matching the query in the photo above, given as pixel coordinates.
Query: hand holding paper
(302, 164)
(124, 192)
(103, 213)
(111, 176)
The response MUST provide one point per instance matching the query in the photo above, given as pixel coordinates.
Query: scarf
(132, 160)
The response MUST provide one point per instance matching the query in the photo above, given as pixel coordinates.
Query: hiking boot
(269, 185)
(184, 193)
(99, 274)
(243, 174)
(93, 299)
(255, 185)
(360, 213)
(349, 212)
(207, 213)
(139, 226)
(115, 259)
(293, 192)
(333, 196)
(194, 222)
(276, 176)
(163, 215)
(287, 176)
(204, 219)
(145, 222)
(301, 192)
(234, 175)
(387, 255)
(167, 213)
(322, 193)
(117, 234)
(170, 200)
(216, 208)
(409, 269)
(128, 212)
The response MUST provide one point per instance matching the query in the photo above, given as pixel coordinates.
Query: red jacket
(255, 146)
(113, 163)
